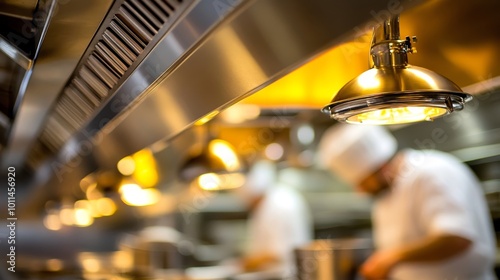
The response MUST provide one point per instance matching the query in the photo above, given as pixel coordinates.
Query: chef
(430, 217)
(279, 222)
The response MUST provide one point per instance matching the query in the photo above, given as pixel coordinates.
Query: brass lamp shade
(394, 92)
(201, 164)
(396, 95)
(218, 157)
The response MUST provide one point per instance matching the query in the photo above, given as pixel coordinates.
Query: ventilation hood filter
(394, 92)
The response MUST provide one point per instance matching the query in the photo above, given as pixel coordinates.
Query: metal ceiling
(18, 8)
(62, 38)
(115, 51)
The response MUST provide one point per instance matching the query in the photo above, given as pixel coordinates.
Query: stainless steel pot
(332, 259)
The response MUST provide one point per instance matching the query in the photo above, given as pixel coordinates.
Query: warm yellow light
(368, 79)
(54, 265)
(83, 217)
(215, 182)
(87, 181)
(83, 204)
(424, 76)
(134, 195)
(52, 222)
(91, 265)
(126, 166)
(92, 192)
(67, 216)
(398, 115)
(232, 180)
(94, 208)
(123, 261)
(105, 206)
(209, 181)
(145, 173)
(223, 150)
(239, 113)
(207, 118)
(146, 177)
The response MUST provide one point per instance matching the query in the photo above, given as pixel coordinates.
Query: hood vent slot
(125, 37)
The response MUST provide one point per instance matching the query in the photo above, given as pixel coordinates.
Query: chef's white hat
(262, 175)
(353, 152)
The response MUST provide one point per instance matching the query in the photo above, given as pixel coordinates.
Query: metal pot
(153, 250)
(332, 259)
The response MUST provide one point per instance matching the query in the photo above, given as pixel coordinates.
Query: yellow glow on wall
(145, 173)
(225, 152)
(316, 82)
(134, 195)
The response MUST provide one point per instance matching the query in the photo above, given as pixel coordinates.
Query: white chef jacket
(279, 224)
(433, 193)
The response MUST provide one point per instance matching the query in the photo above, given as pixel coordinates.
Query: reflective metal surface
(394, 92)
(121, 43)
(67, 37)
(16, 55)
(18, 8)
(396, 80)
(459, 40)
(332, 258)
(409, 87)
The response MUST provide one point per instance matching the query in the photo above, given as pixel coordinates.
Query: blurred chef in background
(430, 217)
(279, 222)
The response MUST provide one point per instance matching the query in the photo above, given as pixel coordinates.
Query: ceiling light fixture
(218, 158)
(392, 91)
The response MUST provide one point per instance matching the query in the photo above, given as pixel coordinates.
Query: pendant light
(392, 91)
(216, 167)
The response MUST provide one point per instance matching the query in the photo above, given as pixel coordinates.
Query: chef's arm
(258, 262)
(433, 248)
(430, 249)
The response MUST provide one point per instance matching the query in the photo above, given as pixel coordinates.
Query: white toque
(353, 152)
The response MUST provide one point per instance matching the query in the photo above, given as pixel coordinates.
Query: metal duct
(113, 52)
